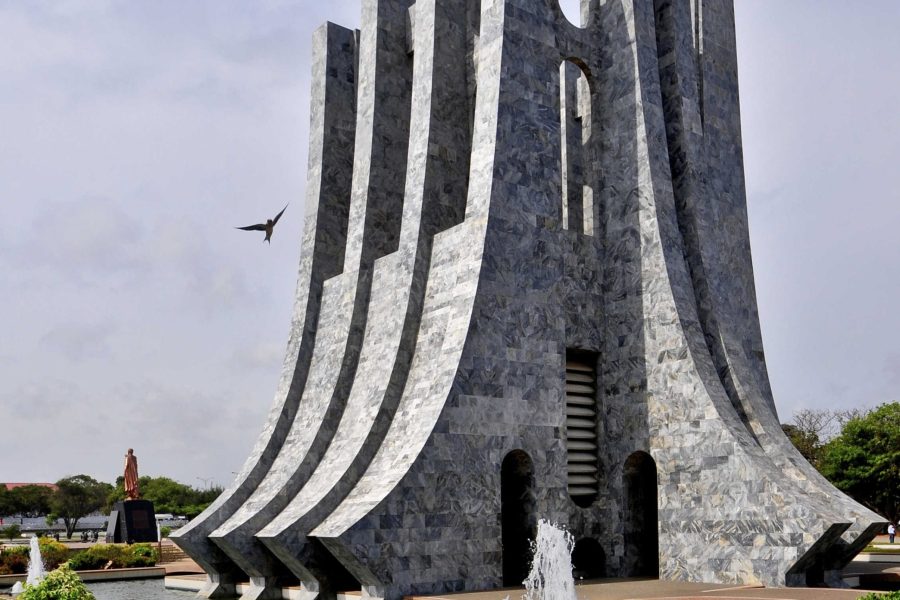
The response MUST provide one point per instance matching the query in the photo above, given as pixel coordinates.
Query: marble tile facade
(473, 213)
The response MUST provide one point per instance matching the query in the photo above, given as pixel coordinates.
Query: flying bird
(268, 226)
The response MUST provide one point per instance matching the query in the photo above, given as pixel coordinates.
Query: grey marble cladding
(332, 138)
(472, 214)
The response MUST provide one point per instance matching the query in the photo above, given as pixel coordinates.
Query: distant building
(12, 486)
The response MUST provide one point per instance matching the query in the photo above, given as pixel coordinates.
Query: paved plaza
(622, 589)
(613, 589)
(185, 574)
(631, 589)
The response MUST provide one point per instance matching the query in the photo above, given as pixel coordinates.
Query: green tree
(11, 531)
(6, 505)
(168, 495)
(811, 429)
(806, 442)
(116, 494)
(30, 500)
(77, 496)
(864, 460)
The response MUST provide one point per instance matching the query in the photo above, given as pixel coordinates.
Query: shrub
(85, 561)
(54, 553)
(142, 555)
(97, 557)
(14, 561)
(164, 531)
(895, 595)
(61, 584)
(116, 556)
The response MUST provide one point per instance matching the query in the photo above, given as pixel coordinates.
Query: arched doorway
(641, 522)
(588, 560)
(517, 510)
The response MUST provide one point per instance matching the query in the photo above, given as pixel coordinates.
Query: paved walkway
(184, 566)
(621, 589)
(645, 589)
(191, 576)
(630, 589)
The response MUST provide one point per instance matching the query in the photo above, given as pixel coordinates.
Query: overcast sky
(136, 135)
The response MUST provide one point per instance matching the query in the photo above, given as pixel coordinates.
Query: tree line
(856, 450)
(81, 495)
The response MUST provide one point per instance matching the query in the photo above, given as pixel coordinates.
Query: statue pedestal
(132, 521)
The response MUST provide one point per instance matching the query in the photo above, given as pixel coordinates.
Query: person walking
(891, 532)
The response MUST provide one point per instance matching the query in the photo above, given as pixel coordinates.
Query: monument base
(131, 522)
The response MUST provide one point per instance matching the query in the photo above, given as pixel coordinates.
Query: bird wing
(257, 227)
(278, 216)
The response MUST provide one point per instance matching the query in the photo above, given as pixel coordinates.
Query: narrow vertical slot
(698, 52)
(575, 128)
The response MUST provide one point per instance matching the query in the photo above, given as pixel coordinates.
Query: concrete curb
(876, 558)
(188, 583)
(99, 575)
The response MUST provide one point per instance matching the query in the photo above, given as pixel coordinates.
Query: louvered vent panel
(581, 430)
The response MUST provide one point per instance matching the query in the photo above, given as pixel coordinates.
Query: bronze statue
(132, 491)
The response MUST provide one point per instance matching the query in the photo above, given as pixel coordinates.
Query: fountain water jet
(550, 577)
(35, 563)
(35, 568)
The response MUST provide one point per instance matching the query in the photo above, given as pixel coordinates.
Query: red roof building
(12, 486)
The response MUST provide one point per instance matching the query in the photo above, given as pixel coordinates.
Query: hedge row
(14, 560)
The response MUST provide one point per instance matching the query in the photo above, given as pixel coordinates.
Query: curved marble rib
(435, 196)
(733, 493)
(719, 257)
(376, 202)
(442, 335)
(815, 518)
(332, 133)
(320, 408)
(744, 352)
(455, 264)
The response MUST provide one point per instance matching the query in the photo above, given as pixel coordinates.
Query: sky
(137, 135)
